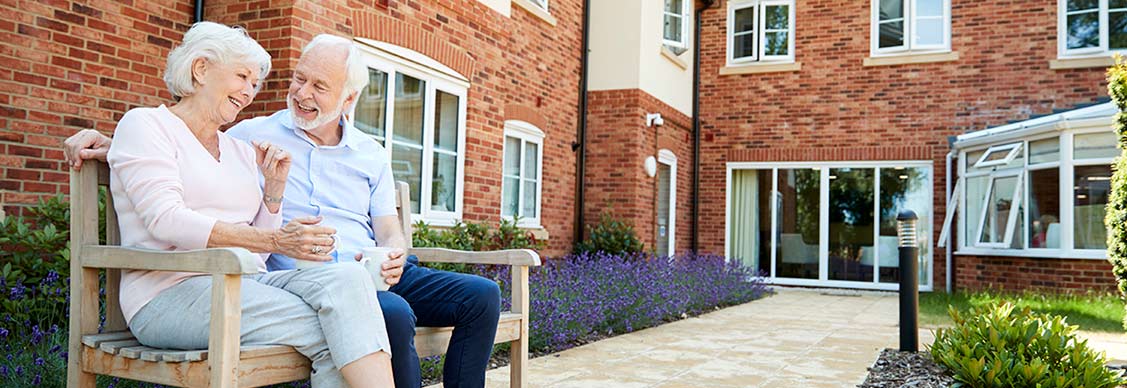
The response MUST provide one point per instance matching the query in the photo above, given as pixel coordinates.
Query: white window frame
(668, 158)
(1011, 151)
(1015, 208)
(910, 46)
(392, 63)
(926, 282)
(685, 21)
(1066, 165)
(1062, 33)
(526, 133)
(757, 55)
(543, 4)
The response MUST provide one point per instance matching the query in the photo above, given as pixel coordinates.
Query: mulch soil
(895, 369)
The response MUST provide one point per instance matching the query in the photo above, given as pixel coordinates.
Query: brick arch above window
(527, 114)
(385, 29)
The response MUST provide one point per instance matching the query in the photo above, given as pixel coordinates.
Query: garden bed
(894, 369)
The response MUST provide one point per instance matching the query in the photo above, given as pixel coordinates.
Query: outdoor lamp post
(909, 281)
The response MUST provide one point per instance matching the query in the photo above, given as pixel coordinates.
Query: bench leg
(518, 363)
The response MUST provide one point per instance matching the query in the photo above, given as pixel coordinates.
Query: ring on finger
(316, 250)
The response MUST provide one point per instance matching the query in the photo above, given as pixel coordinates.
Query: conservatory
(1036, 188)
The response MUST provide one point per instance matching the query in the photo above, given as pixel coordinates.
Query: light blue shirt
(348, 184)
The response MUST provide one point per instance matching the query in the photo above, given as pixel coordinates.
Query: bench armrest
(526, 257)
(230, 261)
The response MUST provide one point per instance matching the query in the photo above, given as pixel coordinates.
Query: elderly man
(344, 176)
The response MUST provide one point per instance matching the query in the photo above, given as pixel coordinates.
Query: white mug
(372, 258)
(306, 264)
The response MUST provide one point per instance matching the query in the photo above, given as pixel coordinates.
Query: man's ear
(350, 101)
(199, 70)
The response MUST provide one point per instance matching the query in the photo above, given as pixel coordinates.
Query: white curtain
(745, 217)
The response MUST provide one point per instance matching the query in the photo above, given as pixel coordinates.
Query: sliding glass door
(831, 224)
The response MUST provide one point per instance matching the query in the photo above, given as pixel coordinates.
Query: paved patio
(796, 338)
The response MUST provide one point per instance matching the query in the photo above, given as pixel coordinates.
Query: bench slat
(112, 347)
(93, 340)
(133, 352)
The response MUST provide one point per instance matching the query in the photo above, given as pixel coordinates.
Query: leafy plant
(33, 246)
(473, 237)
(1000, 346)
(611, 236)
(1116, 218)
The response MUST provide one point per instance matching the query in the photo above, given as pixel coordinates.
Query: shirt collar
(349, 138)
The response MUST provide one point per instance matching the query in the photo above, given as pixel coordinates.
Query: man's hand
(86, 144)
(393, 268)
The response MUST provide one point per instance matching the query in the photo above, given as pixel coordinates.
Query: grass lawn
(1092, 312)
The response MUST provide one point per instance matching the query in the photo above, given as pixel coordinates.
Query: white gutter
(950, 236)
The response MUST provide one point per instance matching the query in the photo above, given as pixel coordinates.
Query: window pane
(509, 196)
(371, 108)
(743, 46)
(531, 151)
(798, 224)
(1079, 5)
(976, 197)
(661, 241)
(776, 43)
(1083, 30)
(851, 223)
(998, 206)
(929, 8)
(409, 110)
(902, 189)
(446, 121)
(777, 16)
(512, 156)
(745, 20)
(444, 186)
(891, 9)
(673, 6)
(1117, 30)
(529, 201)
(1094, 146)
(929, 31)
(1044, 208)
(1114, 4)
(1044, 151)
(672, 28)
(407, 166)
(891, 34)
(751, 219)
(1091, 186)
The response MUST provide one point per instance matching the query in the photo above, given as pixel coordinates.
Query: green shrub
(473, 236)
(999, 346)
(34, 245)
(1116, 218)
(611, 236)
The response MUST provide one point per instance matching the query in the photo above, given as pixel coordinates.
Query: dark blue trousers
(427, 297)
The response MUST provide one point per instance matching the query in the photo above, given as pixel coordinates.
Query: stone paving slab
(796, 338)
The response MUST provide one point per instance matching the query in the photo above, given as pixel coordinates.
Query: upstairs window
(1092, 27)
(676, 23)
(910, 26)
(760, 31)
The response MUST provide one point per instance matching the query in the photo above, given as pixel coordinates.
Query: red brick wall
(72, 65)
(69, 65)
(1020, 273)
(834, 104)
(618, 142)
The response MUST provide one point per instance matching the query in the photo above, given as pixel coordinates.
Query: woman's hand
(304, 239)
(273, 162)
(86, 144)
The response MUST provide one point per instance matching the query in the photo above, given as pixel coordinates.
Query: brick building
(455, 84)
(818, 120)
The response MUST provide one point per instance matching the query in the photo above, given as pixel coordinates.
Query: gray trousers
(329, 313)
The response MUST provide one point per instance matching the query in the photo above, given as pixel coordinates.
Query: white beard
(322, 116)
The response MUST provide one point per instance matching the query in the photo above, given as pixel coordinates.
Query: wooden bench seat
(116, 352)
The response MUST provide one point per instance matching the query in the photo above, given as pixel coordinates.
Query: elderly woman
(179, 183)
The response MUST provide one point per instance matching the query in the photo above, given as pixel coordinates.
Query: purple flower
(63, 355)
(3, 371)
(39, 361)
(19, 370)
(3, 332)
(36, 380)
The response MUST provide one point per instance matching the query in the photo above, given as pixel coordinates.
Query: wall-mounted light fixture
(654, 119)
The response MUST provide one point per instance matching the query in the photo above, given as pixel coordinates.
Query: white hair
(356, 76)
(218, 44)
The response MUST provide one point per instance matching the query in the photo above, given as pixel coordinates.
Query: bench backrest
(84, 192)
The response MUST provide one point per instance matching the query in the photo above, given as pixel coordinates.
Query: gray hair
(218, 44)
(356, 76)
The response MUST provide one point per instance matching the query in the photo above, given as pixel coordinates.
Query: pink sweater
(169, 191)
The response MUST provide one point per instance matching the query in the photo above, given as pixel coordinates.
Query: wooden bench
(115, 352)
